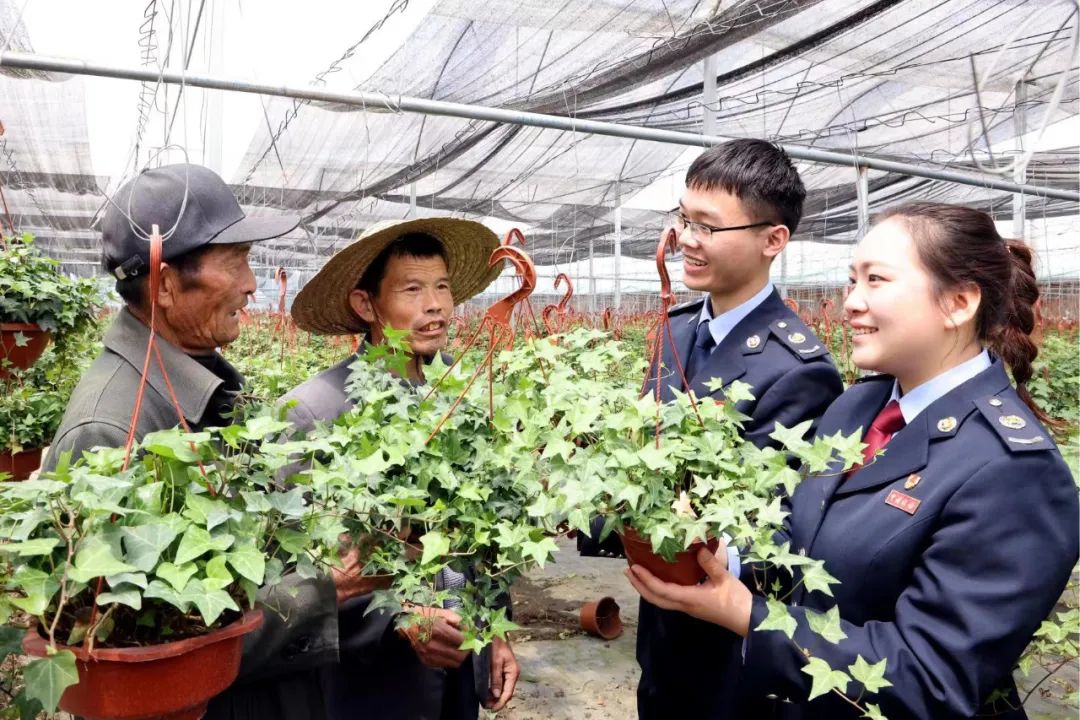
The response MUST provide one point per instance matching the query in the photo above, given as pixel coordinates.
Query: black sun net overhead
(890, 78)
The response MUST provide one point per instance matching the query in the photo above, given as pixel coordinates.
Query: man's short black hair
(133, 290)
(757, 172)
(415, 244)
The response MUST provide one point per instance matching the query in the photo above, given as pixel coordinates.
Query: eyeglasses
(701, 232)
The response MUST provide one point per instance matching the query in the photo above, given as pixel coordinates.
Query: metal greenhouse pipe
(378, 102)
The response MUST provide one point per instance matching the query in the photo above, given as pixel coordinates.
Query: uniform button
(802, 551)
(995, 402)
(781, 325)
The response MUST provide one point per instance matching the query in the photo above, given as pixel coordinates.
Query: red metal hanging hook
(533, 330)
(668, 242)
(497, 320)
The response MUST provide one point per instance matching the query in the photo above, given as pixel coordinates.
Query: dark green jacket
(300, 628)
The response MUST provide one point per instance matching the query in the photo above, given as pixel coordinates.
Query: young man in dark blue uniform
(742, 203)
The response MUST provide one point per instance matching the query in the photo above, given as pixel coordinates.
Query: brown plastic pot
(25, 356)
(601, 618)
(685, 570)
(19, 465)
(172, 681)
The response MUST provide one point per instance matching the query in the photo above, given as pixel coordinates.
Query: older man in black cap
(204, 283)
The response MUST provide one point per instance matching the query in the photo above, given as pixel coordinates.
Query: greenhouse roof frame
(379, 102)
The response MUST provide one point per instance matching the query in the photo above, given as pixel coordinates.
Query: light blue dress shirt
(723, 324)
(919, 398)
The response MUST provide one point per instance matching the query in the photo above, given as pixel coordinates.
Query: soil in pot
(19, 465)
(25, 356)
(683, 571)
(171, 681)
(601, 618)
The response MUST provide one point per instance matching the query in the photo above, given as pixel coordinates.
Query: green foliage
(29, 416)
(174, 553)
(1055, 382)
(32, 290)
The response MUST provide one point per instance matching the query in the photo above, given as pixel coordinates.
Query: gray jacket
(300, 630)
(99, 411)
(379, 675)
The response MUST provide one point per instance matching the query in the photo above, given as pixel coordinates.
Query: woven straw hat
(322, 306)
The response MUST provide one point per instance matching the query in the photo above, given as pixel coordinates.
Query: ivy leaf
(539, 551)
(655, 458)
(176, 575)
(143, 544)
(500, 625)
(289, 504)
(39, 588)
(30, 548)
(778, 619)
(129, 596)
(872, 677)
(874, 712)
(257, 502)
(815, 577)
(436, 545)
(792, 438)
(95, 559)
(373, 464)
(825, 678)
(248, 562)
(210, 603)
(161, 591)
(198, 541)
(827, 624)
(47, 678)
(218, 576)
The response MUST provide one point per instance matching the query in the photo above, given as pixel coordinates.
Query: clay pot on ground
(25, 356)
(683, 571)
(19, 465)
(172, 681)
(601, 618)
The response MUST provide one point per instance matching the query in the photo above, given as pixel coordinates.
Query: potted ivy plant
(29, 416)
(430, 479)
(36, 301)
(132, 578)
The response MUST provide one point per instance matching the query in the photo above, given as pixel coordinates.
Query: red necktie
(887, 423)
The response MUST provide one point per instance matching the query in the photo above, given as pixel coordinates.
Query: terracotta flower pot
(601, 618)
(684, 571)
(19, 465)
(25, 356)
(172, 681)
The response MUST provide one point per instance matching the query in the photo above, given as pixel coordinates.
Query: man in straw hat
(406, 275)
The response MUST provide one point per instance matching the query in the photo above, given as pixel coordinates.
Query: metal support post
(862, 192)
(618, 252)
(592, 276)
(1020, 170)
(708, 96)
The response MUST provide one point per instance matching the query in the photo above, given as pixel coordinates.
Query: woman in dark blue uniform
(954, 543)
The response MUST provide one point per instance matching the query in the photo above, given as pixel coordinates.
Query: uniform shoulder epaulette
(798, 338)
(1014, 423)
(683, 308)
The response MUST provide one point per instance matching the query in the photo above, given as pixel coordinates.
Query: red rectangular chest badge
(904, 502)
